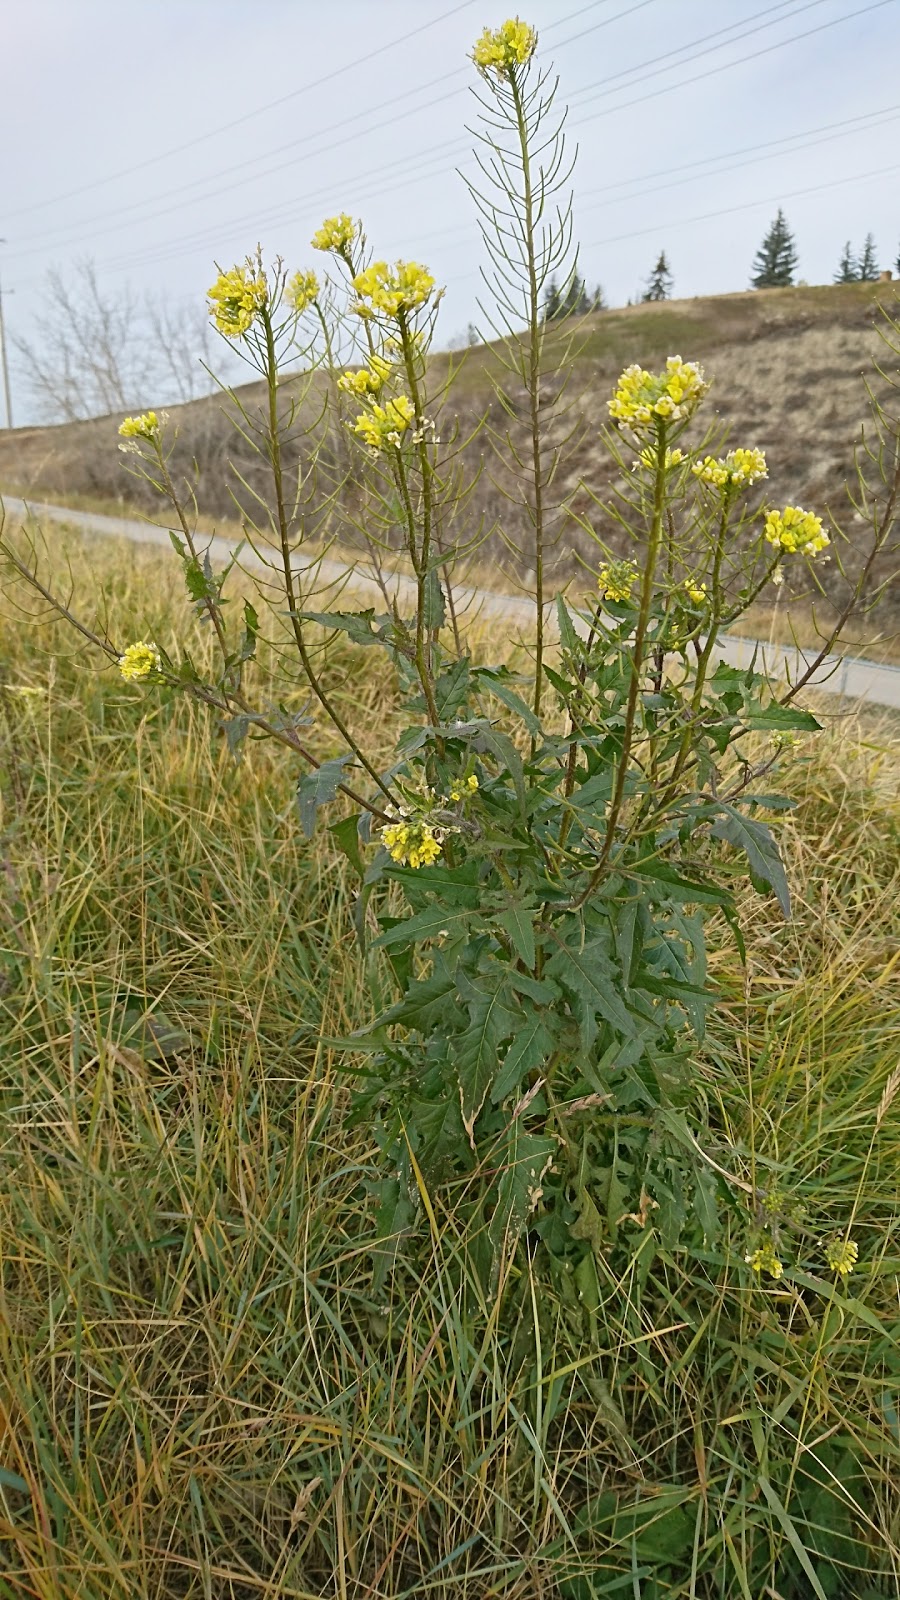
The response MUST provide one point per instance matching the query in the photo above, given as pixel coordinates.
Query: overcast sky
(157, 138)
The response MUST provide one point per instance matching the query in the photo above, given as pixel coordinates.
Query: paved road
(854, 677)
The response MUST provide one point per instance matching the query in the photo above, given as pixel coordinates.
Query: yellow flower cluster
(411, 844)
(367, 380)
(796, 530)
(649, 457)
(842, 1256)
(390, 290)
(336, 234)
(764, 1259)
(302, 290)
(616, 581)
(738, 468)
(146, 426)
(642, 397)
(469, 786)
(139, 661)
(511, 45)
(385, 425)
(695, 591)
(236, 299)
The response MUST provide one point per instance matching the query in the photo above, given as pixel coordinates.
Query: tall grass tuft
(206, 1390)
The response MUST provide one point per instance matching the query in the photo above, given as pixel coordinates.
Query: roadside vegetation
(449, 1118)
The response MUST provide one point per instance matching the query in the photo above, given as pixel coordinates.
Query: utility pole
(3, 360)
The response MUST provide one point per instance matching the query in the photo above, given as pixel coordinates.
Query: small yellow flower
(411, 844)
(147, 426)
(695, 591)
(385, 425)
(642, 397)
(468, 786)
(511, 45)
(738, 469)
(794, 530)
(648, 458)
(336, 234)
(302, 290)
(139, 661)
(365, 381)
(390, 290)
(616, 581)
(764, 1259)
(236, 299)
(842, 1256)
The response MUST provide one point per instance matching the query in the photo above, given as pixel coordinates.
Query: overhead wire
(247, 116)
(803, 140)
(280, 214)
(325, 146)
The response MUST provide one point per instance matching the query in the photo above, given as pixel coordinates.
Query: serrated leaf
(476, 1051)
(235, 731)
(517, 921)
(495, 683)
(530, 1049)
(451, 690)
(346, 836)
(757, 843)
(587, 972)
(433, 610)
(675, 885)
(776, 718)
(251, 633)
(427, 924)
(528, 1155)
(438, 1127)
(317, 789)
(568, 638)
(424, 1003)
(502, 748)
(362, 627)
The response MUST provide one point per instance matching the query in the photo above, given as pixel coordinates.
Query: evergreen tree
(552, 302)
(659, 284)
(897, 263)
(848, 267)
(868, 266)
(573, 300)
(776, 258)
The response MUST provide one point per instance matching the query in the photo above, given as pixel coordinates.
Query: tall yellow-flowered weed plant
(559, 836)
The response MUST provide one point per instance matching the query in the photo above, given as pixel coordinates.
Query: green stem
(637, 661)
(706, 652)
(535, 349)
(274, 452)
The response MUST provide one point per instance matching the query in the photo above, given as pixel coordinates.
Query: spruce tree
(868, 266)
(574, 299)
(552, 302)
(848, 267)
(776, 257)
(659, 283)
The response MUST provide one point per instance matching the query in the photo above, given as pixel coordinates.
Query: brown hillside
(787, 366)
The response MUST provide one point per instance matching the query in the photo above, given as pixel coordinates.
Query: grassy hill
(787, 368)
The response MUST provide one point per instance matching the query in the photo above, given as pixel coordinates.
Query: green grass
(203, 1389)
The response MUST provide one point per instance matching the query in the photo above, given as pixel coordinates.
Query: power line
(748, 205)
(228, 173)
(849, 16)
(278, 213)
(256, 219)
(236, 122)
